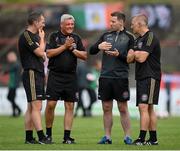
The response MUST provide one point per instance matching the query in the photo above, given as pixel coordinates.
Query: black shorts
(33, 82)
(147, 91)
(110, 89)
(62, 86)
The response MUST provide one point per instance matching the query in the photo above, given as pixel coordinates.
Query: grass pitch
(87, 132)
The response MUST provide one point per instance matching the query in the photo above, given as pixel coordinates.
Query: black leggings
(11, 97)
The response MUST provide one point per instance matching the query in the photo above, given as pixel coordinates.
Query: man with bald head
(146, 54)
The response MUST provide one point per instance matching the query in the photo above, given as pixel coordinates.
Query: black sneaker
(44, 141)
(32, 141)
(49, 138)
(69, 141)
(149, 142)
(139, 142)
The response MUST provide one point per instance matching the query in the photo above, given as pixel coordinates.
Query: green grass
(87, 131)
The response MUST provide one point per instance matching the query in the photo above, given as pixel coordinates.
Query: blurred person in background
(31, 49)
(168, 82)
(63, 49)
(14, 81)
(92, 78)
(113, 82)
(14, 70)
(87, 81)
(82, 71)
(146, 54)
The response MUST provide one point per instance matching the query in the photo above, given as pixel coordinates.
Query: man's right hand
(105, 46)
(130, 56)
(41, 33)
(69, 42)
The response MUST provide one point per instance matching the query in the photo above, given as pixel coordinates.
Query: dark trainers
(44, 140)
(149, 142)
(104, 140)
(32, 141)
(69, 141)
(139, 142)
(128, 140)
(49, 138)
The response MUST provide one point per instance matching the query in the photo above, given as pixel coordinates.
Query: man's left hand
(114, 52)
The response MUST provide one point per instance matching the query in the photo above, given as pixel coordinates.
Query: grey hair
(66, 16)
(142, 18)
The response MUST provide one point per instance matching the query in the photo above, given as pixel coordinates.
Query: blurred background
(91, 21)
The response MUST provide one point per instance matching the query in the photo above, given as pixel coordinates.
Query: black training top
(115, 67)
(27, 43)
(151, 68)
(66, 61)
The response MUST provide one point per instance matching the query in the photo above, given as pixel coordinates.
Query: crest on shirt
(74, 46)
(57, 39)
(140, 45)
(109, 38)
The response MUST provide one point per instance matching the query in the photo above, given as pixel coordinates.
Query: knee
(143, 108)
(107, 108)
(36, 105)
(50, 106)
(123, 109)
(69, 106)
(36, 108)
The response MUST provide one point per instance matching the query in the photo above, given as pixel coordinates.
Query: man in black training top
(63, 50)
(146, 54)
(113, 82)
(31, 48)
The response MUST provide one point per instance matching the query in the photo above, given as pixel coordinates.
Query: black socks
(40, 134)
(142, 135)
(153, 136)
(67, 134)
(49, 131)
(29, 135)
